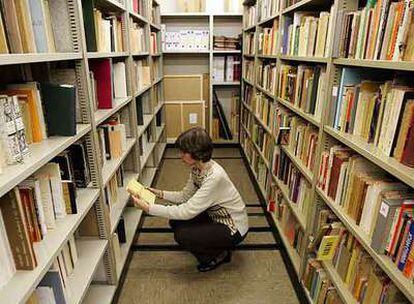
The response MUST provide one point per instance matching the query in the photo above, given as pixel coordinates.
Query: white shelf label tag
(192, 118)
(384, 209)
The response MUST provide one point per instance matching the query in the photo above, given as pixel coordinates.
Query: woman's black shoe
(224, 257)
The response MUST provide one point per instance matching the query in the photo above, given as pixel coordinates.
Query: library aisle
(160, 272)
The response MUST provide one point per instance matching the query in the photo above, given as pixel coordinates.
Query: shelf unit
(201, 62)
(325, 134)
(92, 250)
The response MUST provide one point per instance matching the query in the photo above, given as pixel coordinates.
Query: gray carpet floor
(170, 277)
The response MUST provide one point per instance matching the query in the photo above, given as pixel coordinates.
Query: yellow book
(327, 248)
(137, 189)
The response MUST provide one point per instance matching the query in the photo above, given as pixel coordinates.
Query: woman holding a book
(208, 215)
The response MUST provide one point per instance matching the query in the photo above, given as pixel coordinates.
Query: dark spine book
(140, 112)
(314, 94)
(89, 25)
(120, 230)
(59, 102)
(77, 154)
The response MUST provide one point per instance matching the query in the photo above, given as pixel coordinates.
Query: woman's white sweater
(210, 190)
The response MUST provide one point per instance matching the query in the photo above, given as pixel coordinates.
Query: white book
(7, 266)
(46, 196)
(45, 295)
(117, 248)
(229, 68)
(120, 86)
(67, 259)
(57, 189)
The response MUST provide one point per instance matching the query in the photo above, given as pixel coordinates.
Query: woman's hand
(140, 204)
(157, 192)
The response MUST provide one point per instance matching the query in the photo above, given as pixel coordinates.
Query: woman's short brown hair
(197, 142)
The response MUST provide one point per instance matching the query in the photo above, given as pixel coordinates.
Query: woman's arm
(179, 197)
(202, 199)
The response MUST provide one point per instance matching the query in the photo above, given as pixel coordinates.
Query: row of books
(287, 220)
(35, 27)
(380, 112)
(112, 139)
(261, 105)
(307, 34)
(249, 43)
(249, 18)
(303, 86)
(103, 30)
(379, 31)
(108, 82)
(137, 37)
(363, 192)
(268, 8)
(34, 208)
(303, 142)
(318, 284)
(156, 69)
(141, 7)
(29, 114)
(268, 39)
(226, 68)
(153, 44)
(155, 16)
(249, 70)
(113, 188)
(140, 75)
(266, 76)
(366, 282)
(224, 43)
(298, 189)
(54, 288)
(262, 139)
(186, 40)
(144, 143)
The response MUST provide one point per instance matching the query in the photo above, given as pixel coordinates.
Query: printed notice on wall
(192, 118)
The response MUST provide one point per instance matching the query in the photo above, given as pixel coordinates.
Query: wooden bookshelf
(92, 250)
(326, 133)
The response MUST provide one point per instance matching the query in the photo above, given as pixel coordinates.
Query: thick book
(102, 70)
(120, 230)
(89, 25)
(79, 159)
(59, 102)
(17, 231)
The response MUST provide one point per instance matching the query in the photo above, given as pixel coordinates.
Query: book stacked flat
(226, 43)
(307, 34)
(381, 113)
(382, 30)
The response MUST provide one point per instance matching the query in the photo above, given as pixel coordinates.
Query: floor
(168, 275)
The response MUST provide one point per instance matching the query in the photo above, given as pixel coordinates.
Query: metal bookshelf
(92, 250)
(326, 134)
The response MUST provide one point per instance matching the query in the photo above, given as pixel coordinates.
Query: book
(137, 189)
(102, 70)
(59, 102)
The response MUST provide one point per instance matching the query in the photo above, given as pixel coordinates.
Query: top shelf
(111, 4)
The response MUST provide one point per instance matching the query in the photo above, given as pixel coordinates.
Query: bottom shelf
(102, 294)
(90, 253)
(293, 255)
(132, 217)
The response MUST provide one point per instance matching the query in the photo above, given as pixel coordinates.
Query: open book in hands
(137, 189)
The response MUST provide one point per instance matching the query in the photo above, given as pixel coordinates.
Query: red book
(405, 207)
(135, 6)
(102, 73)
(408, 152)
(336, 170)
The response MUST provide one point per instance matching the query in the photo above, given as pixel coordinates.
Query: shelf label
(384, 209)
(192, 118)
